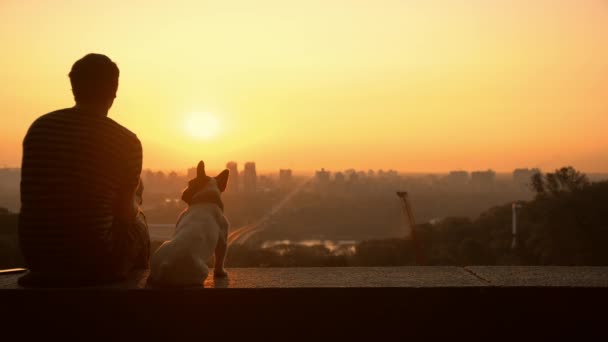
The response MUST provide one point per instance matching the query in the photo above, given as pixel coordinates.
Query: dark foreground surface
(492, 303)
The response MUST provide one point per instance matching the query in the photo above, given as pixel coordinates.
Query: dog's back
(200, 232)
(183, 260)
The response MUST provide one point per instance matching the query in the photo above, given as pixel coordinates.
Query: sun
(202, 125)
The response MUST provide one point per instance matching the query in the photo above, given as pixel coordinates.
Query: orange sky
(423, 85)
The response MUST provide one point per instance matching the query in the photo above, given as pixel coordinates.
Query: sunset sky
(412, 85)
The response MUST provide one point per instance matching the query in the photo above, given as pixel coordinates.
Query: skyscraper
(192, 173)
(322, 177)
(457, 178)
(233, 182)
(339, 179)
(285, 178)
(483, 180)
(522, 177)
(250, 178)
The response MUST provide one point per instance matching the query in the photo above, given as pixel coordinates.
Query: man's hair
(94, 79)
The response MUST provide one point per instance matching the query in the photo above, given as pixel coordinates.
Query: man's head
(94, 80)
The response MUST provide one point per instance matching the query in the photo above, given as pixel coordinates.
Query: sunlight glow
(411, 85)
(202, 125)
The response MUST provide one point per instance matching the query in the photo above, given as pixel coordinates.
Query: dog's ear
(200, 170)
(222, 180)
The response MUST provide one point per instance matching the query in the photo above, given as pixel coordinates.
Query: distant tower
(233, 183)
(250, 178)
(458, 178)
(522, 177)
(285, 178)
(483, 180)
(192, 173)
(322, 177)
(339, 178)
(353, 178)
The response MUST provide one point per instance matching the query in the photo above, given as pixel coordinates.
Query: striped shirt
(77, 168)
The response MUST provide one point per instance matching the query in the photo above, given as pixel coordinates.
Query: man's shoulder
(122, 129)
(68, 114)
(42, 122)
(50, 116)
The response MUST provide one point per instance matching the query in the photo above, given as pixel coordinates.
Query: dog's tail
(177, 274)
(159, 275)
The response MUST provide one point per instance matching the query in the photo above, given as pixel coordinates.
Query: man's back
(76, 166)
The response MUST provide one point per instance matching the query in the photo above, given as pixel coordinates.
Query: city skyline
(189, 171)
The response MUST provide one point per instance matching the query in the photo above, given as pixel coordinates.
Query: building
(192, 173)
(483, 180)
(265, 183)
(250, 178)
(322, 177)
(353, 177)
(285, 178)
(233, 181)
(457, 178)
(522, 177)
(172, 176)
(339, 178)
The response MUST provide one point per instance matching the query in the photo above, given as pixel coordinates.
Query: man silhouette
(80, 222)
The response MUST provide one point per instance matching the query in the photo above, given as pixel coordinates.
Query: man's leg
(140, 239)
(131, 246)
(141, 233)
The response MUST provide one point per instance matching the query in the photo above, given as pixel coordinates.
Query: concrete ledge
(585, 276)
(399, 277)
(294, 303)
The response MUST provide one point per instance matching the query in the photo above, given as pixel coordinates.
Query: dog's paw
(220, 273)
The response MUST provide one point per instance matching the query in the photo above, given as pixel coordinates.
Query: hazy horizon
(414, 86)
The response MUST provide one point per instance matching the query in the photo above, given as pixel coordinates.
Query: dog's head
(205, 184)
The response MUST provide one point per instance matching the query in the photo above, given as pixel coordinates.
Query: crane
(411, 222)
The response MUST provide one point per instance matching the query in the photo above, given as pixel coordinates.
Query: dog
(201, 231)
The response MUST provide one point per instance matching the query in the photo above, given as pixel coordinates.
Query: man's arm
(128, 202)
(129, 196)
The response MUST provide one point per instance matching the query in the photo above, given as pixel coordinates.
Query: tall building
(457, 178)
(322, 177)
(192, 173)
(483, 180)
(522, 177)
(353, 177)
(250, 178)
(339, 178)
(285, 178)
(233, 181)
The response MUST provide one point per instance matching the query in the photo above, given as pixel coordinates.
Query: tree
(566, 179)
(538, 184)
